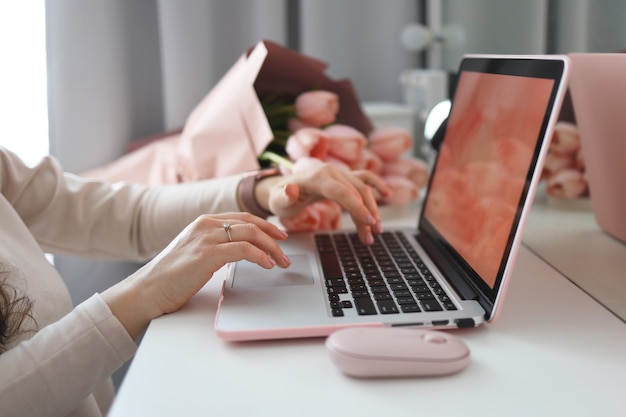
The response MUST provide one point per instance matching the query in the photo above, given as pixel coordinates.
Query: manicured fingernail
(272, 261)
(378, 227)
(369, 239)
(370, 219)
(287, 260)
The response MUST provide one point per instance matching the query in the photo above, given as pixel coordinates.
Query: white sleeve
(72, 215)
(63, 363)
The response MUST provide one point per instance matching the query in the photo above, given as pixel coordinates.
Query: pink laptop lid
(598, 90)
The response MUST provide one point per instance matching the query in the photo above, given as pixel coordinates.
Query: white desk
(567, 357)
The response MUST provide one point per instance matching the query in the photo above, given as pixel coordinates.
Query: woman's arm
(71, 215)
(52, 372)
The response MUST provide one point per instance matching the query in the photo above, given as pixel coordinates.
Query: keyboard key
(337, 290)
(365, 306)
(356, 280)
(361, 294)
(431, 305)
(330, 265)
(377, 283)
(403, 293)
(335, 282)
(406, 300)
(382, 296)
(390, 271)
(424, 296)
(358, 287)
(387, 307)
(421, 289)
(380, 289)
(395, 287)
(410, 308)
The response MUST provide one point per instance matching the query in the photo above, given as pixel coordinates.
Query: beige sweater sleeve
(55, 371)
(49, 374)
(100, 220)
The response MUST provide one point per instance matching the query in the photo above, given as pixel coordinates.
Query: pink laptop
(452, 268)
(598, 91)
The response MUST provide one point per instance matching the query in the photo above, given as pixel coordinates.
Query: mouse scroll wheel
(435, 338)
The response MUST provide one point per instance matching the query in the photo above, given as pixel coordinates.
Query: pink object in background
(567, 183)
(317, 108)
(564, 169)
(414, 169)
(390, 142)
(346, 143)
(322, 215)
(232, 113)
(308, 142)
(403, 191)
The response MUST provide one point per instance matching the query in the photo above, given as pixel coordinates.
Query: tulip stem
(277, 159)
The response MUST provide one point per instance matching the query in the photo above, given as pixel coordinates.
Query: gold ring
(227, 227)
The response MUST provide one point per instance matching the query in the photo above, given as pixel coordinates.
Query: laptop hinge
(455, 278)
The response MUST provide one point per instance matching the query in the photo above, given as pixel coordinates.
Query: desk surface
(568, 237)
(565, 357)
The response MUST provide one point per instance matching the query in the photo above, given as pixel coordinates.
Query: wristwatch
(247, 200)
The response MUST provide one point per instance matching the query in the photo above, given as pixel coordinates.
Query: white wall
(360, 39)
(496, 26)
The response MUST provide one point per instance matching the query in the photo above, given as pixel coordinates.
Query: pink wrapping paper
(228, 130)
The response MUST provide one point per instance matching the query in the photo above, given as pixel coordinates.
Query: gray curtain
(493, 26)
(534, 26)
(121, 70)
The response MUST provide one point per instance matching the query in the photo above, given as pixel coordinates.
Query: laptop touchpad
(250, 275)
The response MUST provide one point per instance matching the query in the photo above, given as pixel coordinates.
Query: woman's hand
(184, 267)
(354, 191)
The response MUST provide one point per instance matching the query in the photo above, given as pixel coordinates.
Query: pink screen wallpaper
(483, 164)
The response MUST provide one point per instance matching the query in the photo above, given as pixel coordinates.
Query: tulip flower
(307, 141)
(317, 108)
(564, 168)
(345, 142)
(295, 124)
(306, 134)
(321, 215)
(567, 183)
(557, 162)
(414, 169)
(369, 161)
(565, 139)
(580, 162)
(390, 142)
(403, 191)
(339, 163)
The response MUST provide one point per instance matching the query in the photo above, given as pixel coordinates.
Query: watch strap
(247, 186)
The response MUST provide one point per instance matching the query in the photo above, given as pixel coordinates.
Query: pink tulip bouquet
(307, 133)
(275, 106)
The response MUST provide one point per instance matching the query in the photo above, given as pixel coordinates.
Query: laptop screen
(484, 165)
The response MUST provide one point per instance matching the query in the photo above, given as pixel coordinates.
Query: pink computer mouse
(375, 352)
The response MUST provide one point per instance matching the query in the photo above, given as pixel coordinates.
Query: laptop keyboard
(387, 277)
